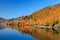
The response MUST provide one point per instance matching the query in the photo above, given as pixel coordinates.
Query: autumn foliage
(49, 16)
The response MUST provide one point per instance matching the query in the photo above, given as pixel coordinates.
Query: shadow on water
(13, 34)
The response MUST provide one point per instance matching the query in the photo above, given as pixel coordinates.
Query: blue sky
(16, 8)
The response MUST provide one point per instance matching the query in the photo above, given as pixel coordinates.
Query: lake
(13, 34)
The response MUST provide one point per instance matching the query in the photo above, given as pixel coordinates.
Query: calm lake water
(13, 34)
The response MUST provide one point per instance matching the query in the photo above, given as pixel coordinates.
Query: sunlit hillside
(48, 16)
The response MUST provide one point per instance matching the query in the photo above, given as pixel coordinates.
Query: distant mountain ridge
(2, 18)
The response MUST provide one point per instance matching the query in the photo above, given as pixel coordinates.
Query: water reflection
(12, 34)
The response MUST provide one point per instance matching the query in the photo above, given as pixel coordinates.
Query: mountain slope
(49, 16)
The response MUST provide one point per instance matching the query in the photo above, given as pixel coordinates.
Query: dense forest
(48, 16)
